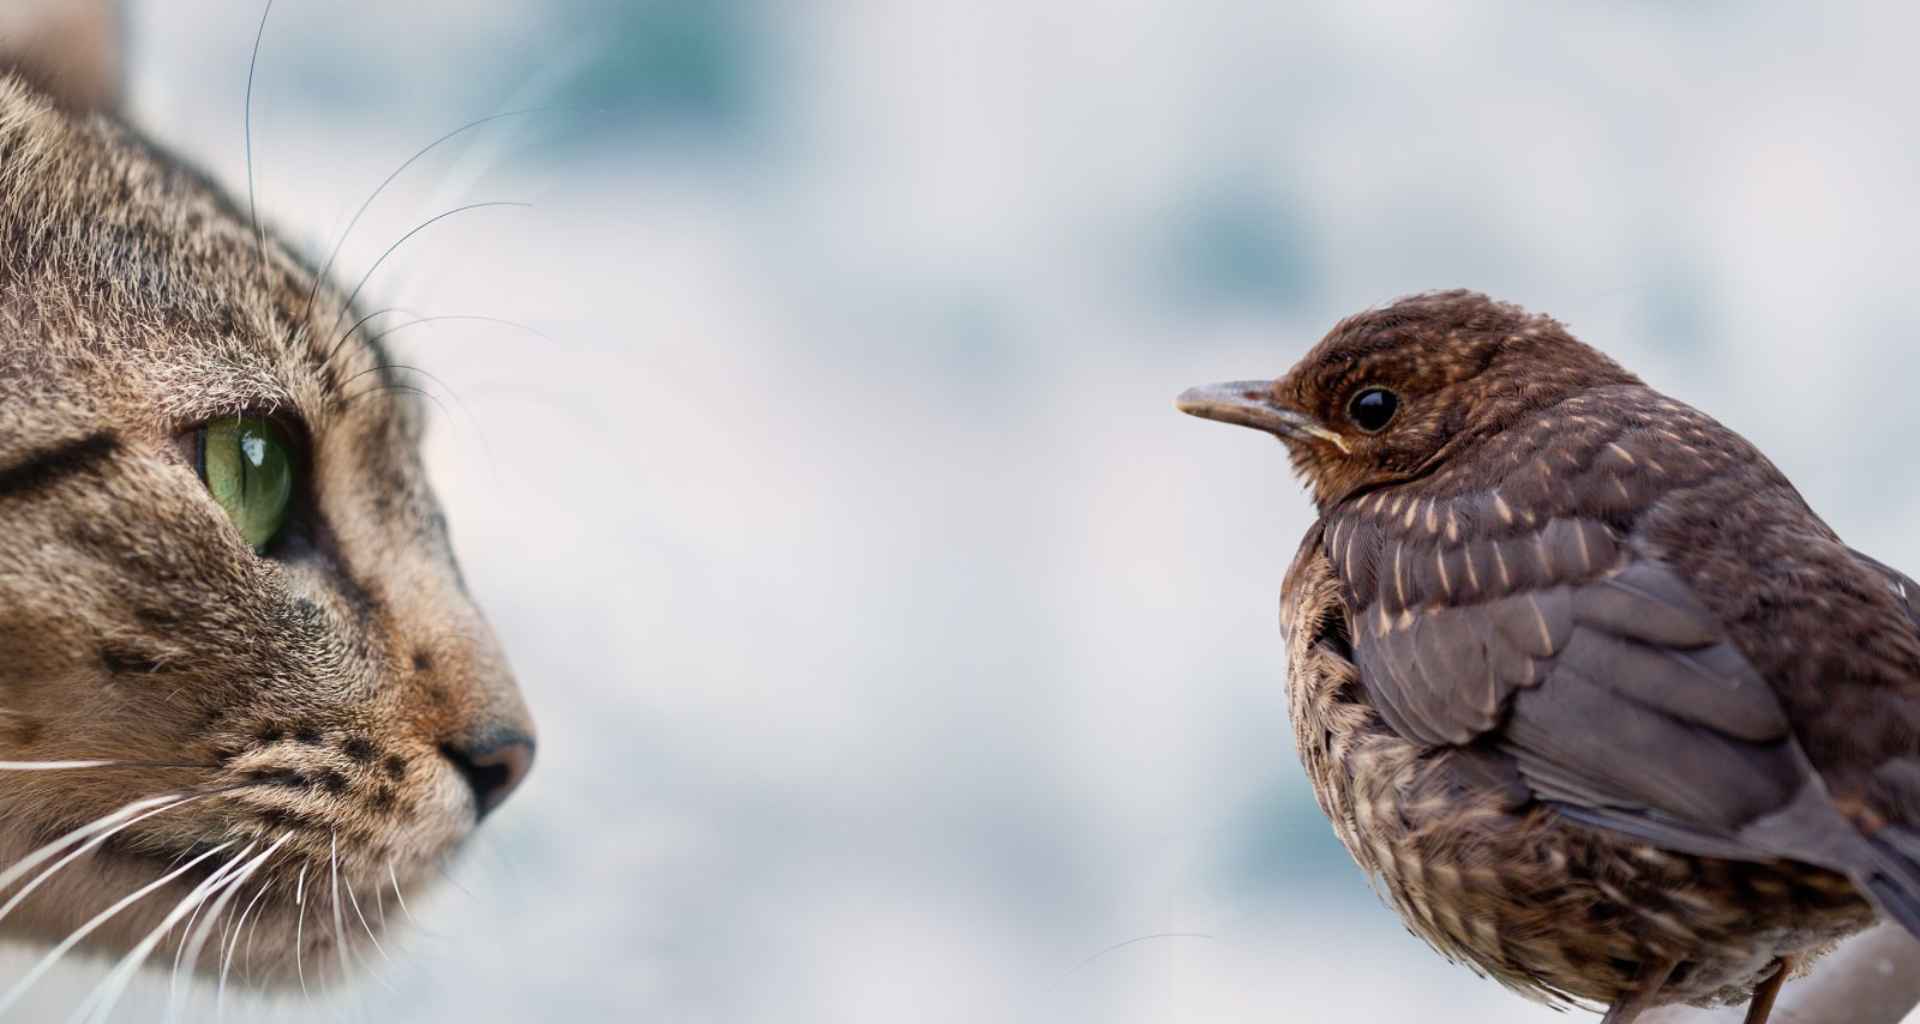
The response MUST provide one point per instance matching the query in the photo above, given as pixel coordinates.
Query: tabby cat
(241, 678)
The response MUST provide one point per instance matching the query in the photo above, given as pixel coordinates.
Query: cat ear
(74, 50)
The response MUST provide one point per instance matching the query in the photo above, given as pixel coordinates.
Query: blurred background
(899, 653)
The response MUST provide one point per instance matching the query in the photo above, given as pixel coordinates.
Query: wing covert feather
(1588, 662)
(1535, 613)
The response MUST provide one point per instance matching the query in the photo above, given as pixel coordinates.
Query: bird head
(1393, 393)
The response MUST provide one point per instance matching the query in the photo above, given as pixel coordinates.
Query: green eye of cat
(247, 465)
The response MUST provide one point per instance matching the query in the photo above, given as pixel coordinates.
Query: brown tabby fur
(310, 692)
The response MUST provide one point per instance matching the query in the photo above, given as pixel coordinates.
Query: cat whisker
(112, 823)
(198, 941)
(404, 389)
(339, 919)
(78, 934)
(31, 860)
(440, 865)
(246, 123)
(229, 928)
(90, 836)
(248, 957)
(472, 420)
(173, 984)
(362, 322)
(105, 996)
(142, 809)
(491, 843)
(368, 276)
(415, 925)
(410, 369)
(226, 962)
(51, 766)
(394, 876)
(327, 267)
(226, 927)
(299, 926)
(355, 900)
(463, 316)
(383, 367)
(1118, 946)
(187, 932)
(66, 766)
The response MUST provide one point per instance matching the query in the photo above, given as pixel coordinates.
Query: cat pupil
(245, 462)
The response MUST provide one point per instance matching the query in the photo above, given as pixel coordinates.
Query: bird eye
(247, 466)
(1373, 409)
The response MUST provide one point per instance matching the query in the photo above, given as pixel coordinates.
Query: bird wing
(1559, 642)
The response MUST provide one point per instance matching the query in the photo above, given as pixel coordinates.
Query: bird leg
(1646, 987)
(1762, 1005)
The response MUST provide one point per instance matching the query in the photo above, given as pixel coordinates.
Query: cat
(241, 678)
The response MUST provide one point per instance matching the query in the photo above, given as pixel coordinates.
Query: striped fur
(311, 692)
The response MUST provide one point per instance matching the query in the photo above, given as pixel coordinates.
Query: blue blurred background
(900, 654)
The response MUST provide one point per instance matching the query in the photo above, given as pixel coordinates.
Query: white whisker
(198, 940)
(247, 960)
(173, 983)
(72, 940)
(27, 863)
(299, 927)
(33, 860)
(398, 895)
(339, 919)
(355, 900)
(100, 1002)
(226, 928)
(226, 962)
(52, 766)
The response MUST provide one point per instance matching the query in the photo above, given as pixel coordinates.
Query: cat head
(237, 658)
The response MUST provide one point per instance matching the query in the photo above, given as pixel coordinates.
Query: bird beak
(1250, 403)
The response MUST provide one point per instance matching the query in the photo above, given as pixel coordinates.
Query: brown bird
(1580, 679)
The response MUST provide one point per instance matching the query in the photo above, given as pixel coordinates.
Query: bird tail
(1894, 882)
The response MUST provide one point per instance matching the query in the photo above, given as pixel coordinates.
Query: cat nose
(493, 765)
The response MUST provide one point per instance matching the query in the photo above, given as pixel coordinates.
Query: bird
(1601, 705)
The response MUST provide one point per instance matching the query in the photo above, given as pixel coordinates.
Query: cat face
(225, 584)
